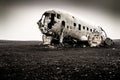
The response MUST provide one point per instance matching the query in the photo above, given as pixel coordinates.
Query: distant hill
(11, 42)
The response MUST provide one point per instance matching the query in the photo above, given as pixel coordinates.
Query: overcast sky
(18, 18)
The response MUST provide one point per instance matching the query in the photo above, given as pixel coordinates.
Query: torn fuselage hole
(52, 20)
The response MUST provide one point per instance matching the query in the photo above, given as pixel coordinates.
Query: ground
(28, 60)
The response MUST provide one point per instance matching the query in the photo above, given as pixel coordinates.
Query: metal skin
(60, 27)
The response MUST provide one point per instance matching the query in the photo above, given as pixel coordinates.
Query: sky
(18, 18)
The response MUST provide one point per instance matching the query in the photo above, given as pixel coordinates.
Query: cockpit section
(46, 22)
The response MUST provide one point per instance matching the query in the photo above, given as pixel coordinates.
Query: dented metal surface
(61, 28)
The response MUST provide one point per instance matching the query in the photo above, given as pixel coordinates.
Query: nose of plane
(38, 23)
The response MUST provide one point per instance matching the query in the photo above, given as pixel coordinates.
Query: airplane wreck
(62, 29)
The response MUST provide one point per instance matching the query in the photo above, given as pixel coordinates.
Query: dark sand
(22, 60)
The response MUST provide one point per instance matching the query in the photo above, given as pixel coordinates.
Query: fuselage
(58, 23)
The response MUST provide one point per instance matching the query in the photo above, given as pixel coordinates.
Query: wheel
(109, 42)
(95, 39)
